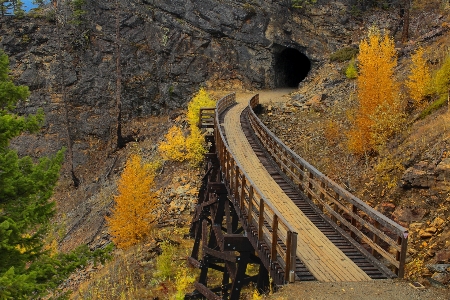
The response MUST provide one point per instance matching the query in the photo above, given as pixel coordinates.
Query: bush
(419, 79)
(351, 72)
(195, 146)
(344, 54)
(302, 3)
(201, 99)
(442, 78)
(174, 146)
(164, 263)
(434, 106)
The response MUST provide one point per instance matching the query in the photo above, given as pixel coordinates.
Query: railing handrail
(280, 216)
(397, 228)
(317, 176)
(278, 219)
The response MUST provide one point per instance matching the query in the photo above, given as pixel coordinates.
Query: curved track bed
(300, 200)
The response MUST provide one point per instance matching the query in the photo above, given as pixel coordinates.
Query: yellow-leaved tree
(195, 146)
(201, 99)
(133, 215)
(175, 146)
(419, 78)
(378, 102)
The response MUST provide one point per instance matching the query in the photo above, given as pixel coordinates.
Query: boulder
(421, 175)
(425, 234)
(443, 256)
(442, 174)
(438, 268)
(406, 215)
(443, 278)
(437, 222)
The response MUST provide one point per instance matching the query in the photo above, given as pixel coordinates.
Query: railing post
(273, 250)
(301, 178)
(310, 185)
(375, 238)
(293, 259)
(355, 211)
(335, 207)
(250, 207)
(199, 123)
(261, 219)
(287, 258)
(236, 182)
(322, 195)
(232, 170)
(401, 256)
(241, 203)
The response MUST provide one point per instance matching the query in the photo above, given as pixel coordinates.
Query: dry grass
(139, 273)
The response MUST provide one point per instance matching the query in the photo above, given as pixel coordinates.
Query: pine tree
(133, 215)
(377, 93)
(419, 78)
(25, 190)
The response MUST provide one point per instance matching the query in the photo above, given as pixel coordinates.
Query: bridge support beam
(219, 242)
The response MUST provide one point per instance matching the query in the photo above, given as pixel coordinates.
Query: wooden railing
(265, 226)
(343, 209)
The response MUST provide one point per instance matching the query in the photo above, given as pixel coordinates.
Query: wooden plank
(226, 256)
(236, 242)
(341, 256)
(206, 292)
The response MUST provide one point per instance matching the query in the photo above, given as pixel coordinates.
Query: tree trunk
(120, 140)
(61, 23)
(405, 32)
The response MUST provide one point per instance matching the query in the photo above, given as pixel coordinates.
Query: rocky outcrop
(167, 50)
(428, 175)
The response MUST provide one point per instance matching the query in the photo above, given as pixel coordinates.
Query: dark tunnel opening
(291, 67)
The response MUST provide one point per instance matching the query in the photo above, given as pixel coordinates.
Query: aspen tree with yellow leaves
(174, 145)
(379, 113)
(420, 77)
(201, 99)
(133, 215)
(192, 148)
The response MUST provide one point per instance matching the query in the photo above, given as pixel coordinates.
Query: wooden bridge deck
(322, 258)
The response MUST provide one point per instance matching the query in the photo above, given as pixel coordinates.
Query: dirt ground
(373, 290)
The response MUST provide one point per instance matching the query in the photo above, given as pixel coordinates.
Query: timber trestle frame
(234, 224)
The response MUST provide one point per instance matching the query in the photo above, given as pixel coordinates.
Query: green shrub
(165, 267)
(441, 87)
(442, 78)
(301, 3)
(433, 106)
(351, 72)
(344, 54)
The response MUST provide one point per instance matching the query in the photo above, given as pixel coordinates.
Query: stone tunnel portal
(291, 67)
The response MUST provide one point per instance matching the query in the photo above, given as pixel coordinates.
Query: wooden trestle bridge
(260, 203)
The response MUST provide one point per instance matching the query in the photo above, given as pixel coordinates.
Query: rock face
(162, 52)
(428, 175)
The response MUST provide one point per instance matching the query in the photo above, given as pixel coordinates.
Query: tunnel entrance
(291, 67)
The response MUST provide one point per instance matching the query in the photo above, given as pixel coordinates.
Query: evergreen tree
(25, 189)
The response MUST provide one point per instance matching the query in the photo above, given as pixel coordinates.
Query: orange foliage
(419, 78)
(174, 146)
(377, 90)
(133, 215)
